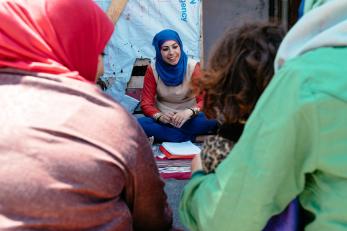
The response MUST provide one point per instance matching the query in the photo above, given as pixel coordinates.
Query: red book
(176, 156)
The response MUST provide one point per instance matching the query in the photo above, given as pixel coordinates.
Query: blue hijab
(171, 75)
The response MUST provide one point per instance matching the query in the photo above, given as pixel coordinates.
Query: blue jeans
(199, 125)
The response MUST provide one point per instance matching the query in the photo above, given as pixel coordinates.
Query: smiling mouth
(172, 59)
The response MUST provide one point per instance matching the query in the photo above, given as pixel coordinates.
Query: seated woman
(172, 110)
(239, 71)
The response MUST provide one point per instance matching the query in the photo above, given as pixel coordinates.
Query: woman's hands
(176, 119)
(166, 118)
(179, 118)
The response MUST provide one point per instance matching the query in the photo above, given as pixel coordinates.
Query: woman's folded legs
(198, 125)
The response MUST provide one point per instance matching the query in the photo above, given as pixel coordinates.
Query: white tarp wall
(134, 31)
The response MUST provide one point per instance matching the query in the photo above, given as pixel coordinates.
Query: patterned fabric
(214, 150)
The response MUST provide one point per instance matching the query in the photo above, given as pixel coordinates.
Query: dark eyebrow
(174, 44)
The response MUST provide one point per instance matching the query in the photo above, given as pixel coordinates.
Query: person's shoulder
(193, 65)
(151, 69)
(192, 62)
(151, 66)
(99, 103)
(313, 66)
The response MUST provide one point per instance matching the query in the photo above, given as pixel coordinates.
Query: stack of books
(182, 150)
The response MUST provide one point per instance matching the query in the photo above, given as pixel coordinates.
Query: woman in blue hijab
(172, 111)
(171, 75)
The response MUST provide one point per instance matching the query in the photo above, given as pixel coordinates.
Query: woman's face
(170, 52)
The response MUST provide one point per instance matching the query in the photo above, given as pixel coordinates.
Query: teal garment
(294, 144)
(311, 4)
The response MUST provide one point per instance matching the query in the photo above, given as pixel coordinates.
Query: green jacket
(294, 144)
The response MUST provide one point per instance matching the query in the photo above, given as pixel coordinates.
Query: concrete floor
(173, 189)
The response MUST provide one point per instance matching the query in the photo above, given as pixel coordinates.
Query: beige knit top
(175, 98)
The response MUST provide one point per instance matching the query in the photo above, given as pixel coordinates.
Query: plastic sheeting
(132, 38)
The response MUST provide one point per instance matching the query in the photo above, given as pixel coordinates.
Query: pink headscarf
(62, 37)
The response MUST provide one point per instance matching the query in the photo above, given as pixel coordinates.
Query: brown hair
(238, 71)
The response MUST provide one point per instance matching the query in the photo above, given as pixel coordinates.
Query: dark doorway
(284, 11)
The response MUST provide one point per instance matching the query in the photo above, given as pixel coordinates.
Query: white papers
(183, 148)
(172, 169)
